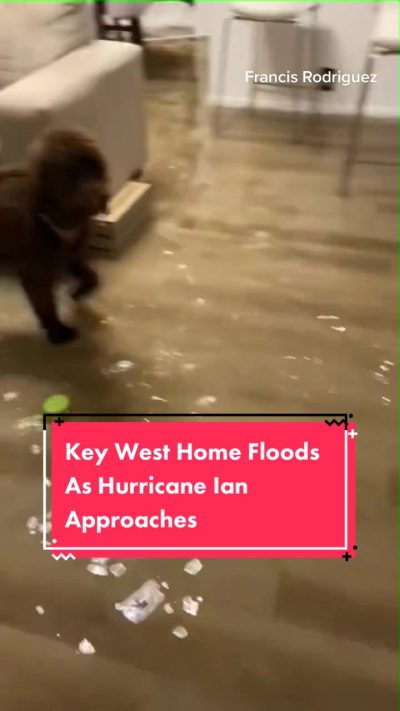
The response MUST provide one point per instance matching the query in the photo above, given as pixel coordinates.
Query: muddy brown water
(247, 246)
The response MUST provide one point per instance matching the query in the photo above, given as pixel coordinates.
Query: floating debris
(289, 357)
(156, 398)
(200, 598)
(86, 647)
(117, 569)
(190, 606)
(47, 527)
(189, 366)
(122, 366)
(388, 362)
(181, 266)
(386, 400)
(165, 585)
(294, 377)
(341, 329)
(48, 482)
(193, 566)
(9, 397)
(145, 385)
(39, 609)
(34, 422)
(138, 606)
(381, 377)
(167, 252)
(35, 449)
(206, 400)
(168, 609)
(322, 317)
(180, 632)
(306, 357)
(32, 525)
(384, 368)
(200, 301)
(317, 361)
(164, 361)
(100, 561)
(97, 569)
(261, 235)
(146, 419)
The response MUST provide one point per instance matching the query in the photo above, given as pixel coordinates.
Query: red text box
(253, 489)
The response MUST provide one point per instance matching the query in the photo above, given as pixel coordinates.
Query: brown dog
(45, 211)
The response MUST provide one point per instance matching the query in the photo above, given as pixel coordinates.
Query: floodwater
(219, 306)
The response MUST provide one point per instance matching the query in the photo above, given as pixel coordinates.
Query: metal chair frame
(313, 10)
(354, 140)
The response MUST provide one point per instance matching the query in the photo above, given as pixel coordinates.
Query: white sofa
(54, 71)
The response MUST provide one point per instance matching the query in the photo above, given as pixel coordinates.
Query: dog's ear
(60, 158)
(59, 149)
(41, 164)
(68, 176)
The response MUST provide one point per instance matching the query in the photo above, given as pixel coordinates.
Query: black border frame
(344, 417)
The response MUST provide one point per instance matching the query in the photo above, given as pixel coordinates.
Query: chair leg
(355, 131)
(222, 66)
(257, 55)
(314, 63)
(296, 90)
(99, 10)
(136, 31)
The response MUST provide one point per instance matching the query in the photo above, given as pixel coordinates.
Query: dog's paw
(60, 333)
(86, 286)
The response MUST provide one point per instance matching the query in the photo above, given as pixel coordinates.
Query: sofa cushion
(33, 35)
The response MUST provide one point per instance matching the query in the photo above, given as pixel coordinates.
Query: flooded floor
(248, 245)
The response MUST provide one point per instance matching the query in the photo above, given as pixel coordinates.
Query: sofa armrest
(98, 87)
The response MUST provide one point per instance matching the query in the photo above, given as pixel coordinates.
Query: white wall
(344, 31)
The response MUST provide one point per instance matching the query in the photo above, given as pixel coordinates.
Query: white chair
(384, 42)
(261, 13)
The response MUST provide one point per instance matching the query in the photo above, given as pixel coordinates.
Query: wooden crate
(127, 210)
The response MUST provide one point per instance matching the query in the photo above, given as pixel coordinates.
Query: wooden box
(127, 210)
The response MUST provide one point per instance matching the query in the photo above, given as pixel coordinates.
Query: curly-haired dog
(45, 211)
